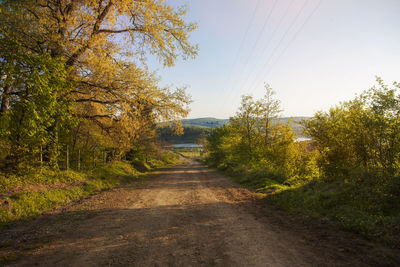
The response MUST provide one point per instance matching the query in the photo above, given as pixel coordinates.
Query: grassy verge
(30, 195)
(192, 153)
(354, 207)
(362, 208)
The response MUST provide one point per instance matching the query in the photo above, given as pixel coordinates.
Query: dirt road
(186, 216)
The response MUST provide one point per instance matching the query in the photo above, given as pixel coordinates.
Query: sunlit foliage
(95, 52)
(255, 140)
(360, 136)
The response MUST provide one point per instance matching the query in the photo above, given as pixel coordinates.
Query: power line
(241, 45)
(276, 48)
(275, 30)
(288, 44)
(253, 49)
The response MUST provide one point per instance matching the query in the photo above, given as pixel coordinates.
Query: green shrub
(140, 165)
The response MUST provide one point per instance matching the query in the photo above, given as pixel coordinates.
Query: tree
(85, 30)
(271, 110)
(34, 86)
(223, 147)
(256, 118)
(202, 141)
(361, 136)
(247, 122)
(103, 45)
(254, 140)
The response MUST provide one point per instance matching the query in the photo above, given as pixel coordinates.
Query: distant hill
(205, 122)
(194, 127)
(213, 122)
(295, 124)
(294, 119)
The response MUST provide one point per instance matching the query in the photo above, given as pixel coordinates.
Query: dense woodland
(74, 79)
(349, 172)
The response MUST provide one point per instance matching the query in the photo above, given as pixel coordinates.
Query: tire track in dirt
(185, 216)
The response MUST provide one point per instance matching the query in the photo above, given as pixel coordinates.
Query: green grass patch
(367, 209)
(46, 176)
(354, 209)
(189, 152)
(26, 204)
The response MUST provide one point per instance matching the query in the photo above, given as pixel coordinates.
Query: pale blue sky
(313, 53)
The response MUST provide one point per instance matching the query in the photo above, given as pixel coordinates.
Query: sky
(313, 53)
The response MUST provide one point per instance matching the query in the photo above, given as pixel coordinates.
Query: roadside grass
(188, 152)
(46, 176)
(26, 204)
(25, 197)
(367, 209)
(354, 208)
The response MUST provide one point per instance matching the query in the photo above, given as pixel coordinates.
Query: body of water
(299, 139)
(186, 145)
(302, 139)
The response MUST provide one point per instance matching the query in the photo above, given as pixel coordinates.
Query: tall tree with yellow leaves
(104, 44)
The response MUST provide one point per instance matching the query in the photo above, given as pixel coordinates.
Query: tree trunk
(5, 100)
(267, 132)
